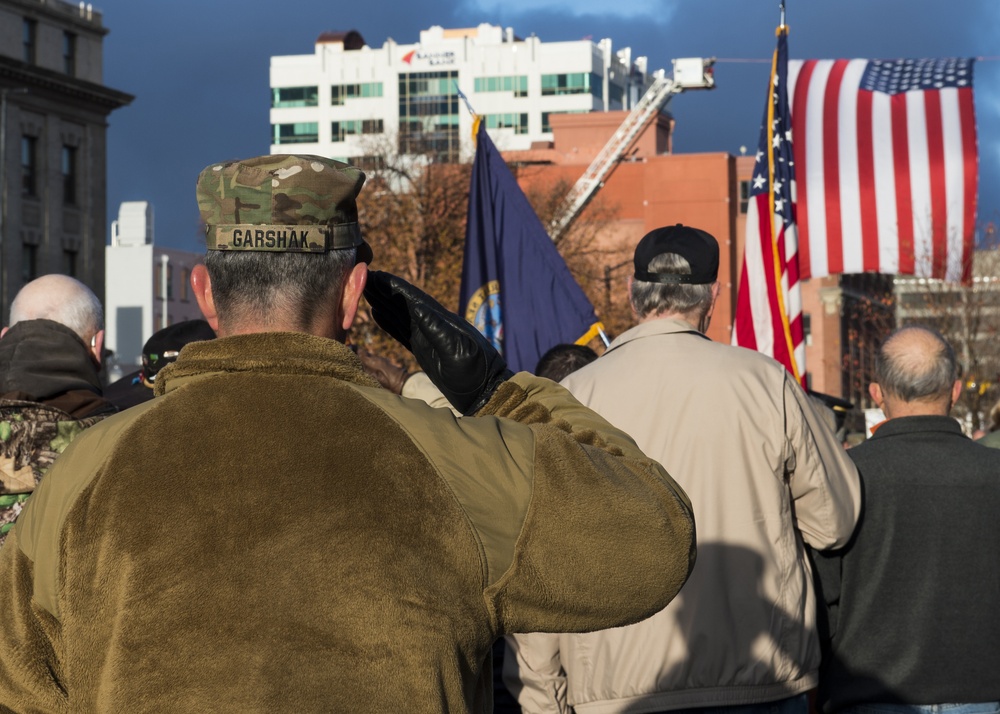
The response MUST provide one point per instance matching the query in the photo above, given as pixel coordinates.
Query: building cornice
(82, 18)
(21, 74)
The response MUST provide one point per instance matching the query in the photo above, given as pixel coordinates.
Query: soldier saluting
(277, 532)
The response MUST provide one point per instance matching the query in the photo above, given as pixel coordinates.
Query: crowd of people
(291, 524)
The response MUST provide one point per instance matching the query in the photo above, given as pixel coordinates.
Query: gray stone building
(53, 151)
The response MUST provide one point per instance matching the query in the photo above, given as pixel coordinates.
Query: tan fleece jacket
(278, 533)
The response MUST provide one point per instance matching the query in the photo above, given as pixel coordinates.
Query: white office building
(347, 100)
(146, 287)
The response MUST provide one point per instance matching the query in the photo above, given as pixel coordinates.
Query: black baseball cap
(699, 248)
(163, 346)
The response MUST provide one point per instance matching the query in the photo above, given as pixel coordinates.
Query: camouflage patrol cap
(282, 203)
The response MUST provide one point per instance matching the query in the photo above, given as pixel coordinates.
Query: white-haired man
(50, 386)
(764, 474)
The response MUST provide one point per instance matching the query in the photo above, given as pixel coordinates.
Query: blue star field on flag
(777, 146)
(907, 75)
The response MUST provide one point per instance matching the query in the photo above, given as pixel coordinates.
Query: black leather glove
(457, 358)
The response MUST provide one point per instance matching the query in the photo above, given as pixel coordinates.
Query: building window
(339, 93)
(185, 284)
(372, 126)
(517, 122)
(69, 53)
(547, 125)
(282, 97)
(616, 94)
(29, 262)
(428, 115)
(29, 166)
(516, 84)
(300, 133)
(807, 333)
(30, 40)
(744, 195)
(69, 262)
(574, 83)
(170, 282)
(69, 175)
(368, 164)
(341, 129)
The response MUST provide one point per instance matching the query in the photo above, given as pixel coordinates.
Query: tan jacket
(764, 474)
(278, 533)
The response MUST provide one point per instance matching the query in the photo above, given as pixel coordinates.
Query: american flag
(769, 302)
(887, 166)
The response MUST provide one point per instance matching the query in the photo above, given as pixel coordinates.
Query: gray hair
(61, 299)
(657, 298)
(916, 363)
(258, 285)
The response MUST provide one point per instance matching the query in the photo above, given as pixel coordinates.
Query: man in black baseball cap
(766, 476)
(698, 248)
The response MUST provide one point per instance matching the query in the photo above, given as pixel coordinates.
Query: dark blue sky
(199, 70)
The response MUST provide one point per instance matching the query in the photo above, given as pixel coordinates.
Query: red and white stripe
(759, 321)
(885, 183)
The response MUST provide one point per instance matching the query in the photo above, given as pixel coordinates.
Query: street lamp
(608, 270)
(4, 91)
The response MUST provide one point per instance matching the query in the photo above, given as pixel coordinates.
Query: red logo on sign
(408, 57)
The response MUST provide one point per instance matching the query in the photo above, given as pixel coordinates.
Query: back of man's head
(61, 299)
(675, 270)
(563, 360)
(282, 235)
(916, 368)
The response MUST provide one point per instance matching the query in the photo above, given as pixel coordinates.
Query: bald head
(61, 299)
(916, 372)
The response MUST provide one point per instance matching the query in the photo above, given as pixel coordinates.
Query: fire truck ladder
(642, 114)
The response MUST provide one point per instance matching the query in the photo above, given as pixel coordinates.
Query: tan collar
(650, 328)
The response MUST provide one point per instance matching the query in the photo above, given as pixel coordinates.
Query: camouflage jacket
(32, 435)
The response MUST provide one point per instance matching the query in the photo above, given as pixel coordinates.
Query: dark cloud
(200, 70)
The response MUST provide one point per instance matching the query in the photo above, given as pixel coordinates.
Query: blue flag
(516, 288)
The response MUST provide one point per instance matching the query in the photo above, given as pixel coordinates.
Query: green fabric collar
(290, 353)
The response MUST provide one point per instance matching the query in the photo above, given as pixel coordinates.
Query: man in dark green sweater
(911, 601)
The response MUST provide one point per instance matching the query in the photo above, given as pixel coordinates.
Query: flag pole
(468, 104)
(778, 259)
(476, 118)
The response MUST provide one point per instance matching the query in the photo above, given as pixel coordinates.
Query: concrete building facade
(354, 102)
(148, 287)
(53, 123)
